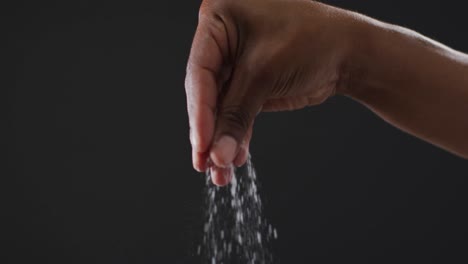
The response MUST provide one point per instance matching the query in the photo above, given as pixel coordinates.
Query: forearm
(412, 82)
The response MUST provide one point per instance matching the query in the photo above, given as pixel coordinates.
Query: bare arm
(414, 83)
(250, 56)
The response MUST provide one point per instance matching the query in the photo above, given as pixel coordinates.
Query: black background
(99, 167)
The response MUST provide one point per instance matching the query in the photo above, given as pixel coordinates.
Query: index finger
(203, 70)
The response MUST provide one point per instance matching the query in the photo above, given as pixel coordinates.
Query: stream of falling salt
(235, 230)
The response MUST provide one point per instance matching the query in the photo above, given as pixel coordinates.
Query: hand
(253, 56)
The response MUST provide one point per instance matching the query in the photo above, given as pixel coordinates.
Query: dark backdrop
(98, 157)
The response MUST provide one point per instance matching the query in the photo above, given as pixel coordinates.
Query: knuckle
(236, 118)
(204, 8)
(210, 8)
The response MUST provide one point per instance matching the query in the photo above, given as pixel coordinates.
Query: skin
(280, 55)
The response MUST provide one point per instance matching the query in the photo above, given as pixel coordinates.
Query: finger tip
(221, 176)
(199, 161)
(224, 151)
(197, 166)
(201, 135)
(241, 158)
(199, 169)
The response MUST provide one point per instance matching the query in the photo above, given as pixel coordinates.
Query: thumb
(238, 108)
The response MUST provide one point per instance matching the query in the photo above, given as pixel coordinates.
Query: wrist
(385, 58)
(348, 39)
(356, 70)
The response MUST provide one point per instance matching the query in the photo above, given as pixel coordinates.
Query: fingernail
(221, 176)
(224, 151)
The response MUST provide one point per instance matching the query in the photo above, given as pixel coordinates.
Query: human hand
(253, 56)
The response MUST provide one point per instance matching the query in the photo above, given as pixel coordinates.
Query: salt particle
(235, 231)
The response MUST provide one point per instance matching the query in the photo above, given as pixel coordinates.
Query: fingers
(204, 65)
(201, 109)
(199, 160)
(221, 176)
(220, 122)
(243, 154)
(242, 102)
(244, 150)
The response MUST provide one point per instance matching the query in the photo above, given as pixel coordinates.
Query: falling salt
(235, 230)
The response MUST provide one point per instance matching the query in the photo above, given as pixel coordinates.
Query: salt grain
(235, 231)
